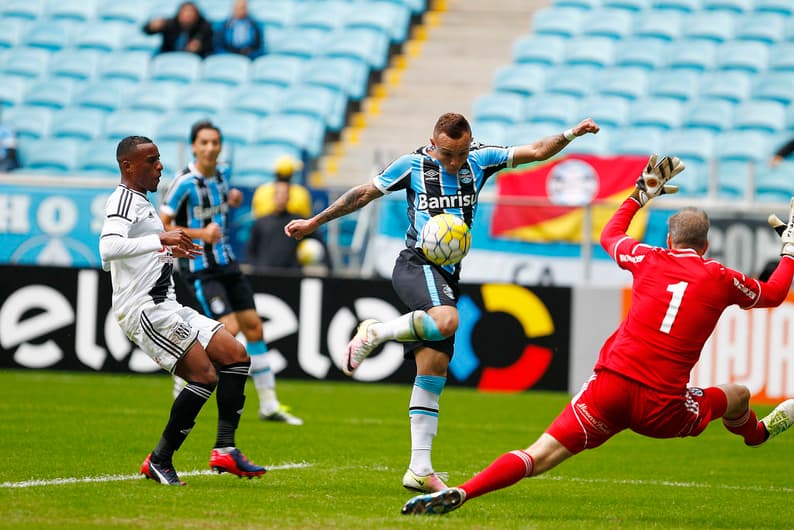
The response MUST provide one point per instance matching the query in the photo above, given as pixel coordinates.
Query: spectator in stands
(8, 149)
(188, 31)
(784, 152)
(300, 201)
(240, 33)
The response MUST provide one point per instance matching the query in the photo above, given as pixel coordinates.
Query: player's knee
(204, 374)
(447, 322)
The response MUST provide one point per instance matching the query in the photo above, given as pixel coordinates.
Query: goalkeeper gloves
(653, 181)
(787, 237)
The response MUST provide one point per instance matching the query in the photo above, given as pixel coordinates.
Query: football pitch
(73, 444)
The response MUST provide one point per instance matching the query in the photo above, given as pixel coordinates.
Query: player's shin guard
(504, 471)
(747, 426)
(231, 397)
(423, 415)
(184, 410)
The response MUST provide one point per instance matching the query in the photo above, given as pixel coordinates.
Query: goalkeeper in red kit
(640, 379)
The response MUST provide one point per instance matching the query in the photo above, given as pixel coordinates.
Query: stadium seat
(524, 79)
(782, 7)
(502, 107)
(302, 43)
(692, 54)
(320, 102)
(590, 51)
(77, 10)
(768, 28)
(175, 126)
(525, 133)
(125, 122)
(694, 181)
(106, 36)
(657, 24)
(745, 56)
(238, 128)
(639, 52)
(630, 5)
(54, 93)
(607, 111)
(259, 100)
(348, 76)
(764, 116)
(183, 67)
(546, 50)
(729, 85)
(58, 155)
(690, 144)
(81, 65)
(557, 109)
(731, 6)
(591, 144)
(781, 57)
(295, 131)
(272, 14)
(362, 44)
(256, 163)
(578, 4)
(742, 146)
(24, 9)
(684, 6)
(774, 182)
(26, 62)
(659, 113)
(774, 86)
(11, 31)
(132, 13)
(12, 90)
(679, 84)
(155, 96)
(174, 156)
(325, 15)
(226, 69)
(50, 35)
(201, 96)
(99, 156)
(76, 122)
(713, 26)
(610, 23)
(733, 178)
(574, 80)
(29, 122)
(711, 114)
(564, 22)
(489, 132)
(104, 94)
(626, 82)
(278, 70)
(125, 65)
(137, 41)
(389, 18)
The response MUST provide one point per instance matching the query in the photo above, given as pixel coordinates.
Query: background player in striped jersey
(139, 255)
(454, 168)
(197, 201)
(640, 379)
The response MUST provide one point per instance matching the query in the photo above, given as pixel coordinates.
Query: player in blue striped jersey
(445, 176)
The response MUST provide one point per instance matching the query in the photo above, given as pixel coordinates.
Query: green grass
(355, 445)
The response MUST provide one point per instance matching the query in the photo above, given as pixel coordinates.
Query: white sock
(423, 415)
(263, 376)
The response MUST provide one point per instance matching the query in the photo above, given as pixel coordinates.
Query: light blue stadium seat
(81, 65)
(348, 76)
(775, 183)
(327, 104)
(11, 31)
(301, 43)
(29, 122)
(730, 85)
(743, 146)
(502, 107)
(54, 93)
(768, 28)
(25, 9)
(238, 128)
(781, 57)
(783, 7)
(684, 6)
(578, 4)
(626, 82)
(489, 132)
(713, 26)
(174, 156)
(774, 86)
(50, 35)
(227, 69)
(658, 24)
(563, 22)
(326, 15)
(104, 94)
(27, 62)
(125, 65)
(694, 181)
(255, 164)
(692, 54)
(690, 144)
(558, 109)
(733, 179)
(278, 70)
(590, 51)
(175, 66)
(389, 18)
(546, 50)
(528, 132)
(640, 52)
(712, 114)
(125, 122)
(77, 10)
(259, 100)
(136, 40)
(678, 84)
(12, 90)
(175, 126)
(132, 13)
(607, 111)
(155, 96)
(208, 98)
(746, 56)
(99, 156)
(77, 122)
(610, 23)
(591, 144)
(660, 113)
(630, 5)
(765, 116)
(366, 45)
(106, 36)
(572, 80)
(296, 131)
(731, 6)
(57, 155)
(524, 79)
(272, 14)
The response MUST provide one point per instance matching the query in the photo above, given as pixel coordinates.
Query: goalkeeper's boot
(425, 484)
(232, 460)
(435, 503)
(780, 419)
(164, 474)
(359, 348)
(280, 415)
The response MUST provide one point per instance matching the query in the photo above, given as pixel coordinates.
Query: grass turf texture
(355, 448)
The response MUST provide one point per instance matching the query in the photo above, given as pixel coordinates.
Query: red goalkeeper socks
(504, 471)
(747, 426)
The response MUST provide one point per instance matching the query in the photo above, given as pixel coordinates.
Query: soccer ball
(310, 252)
(445, 239)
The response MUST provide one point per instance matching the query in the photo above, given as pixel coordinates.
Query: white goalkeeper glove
(653, 181)
(787, 237)
(775, 222)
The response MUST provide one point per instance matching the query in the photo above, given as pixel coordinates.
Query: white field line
(670, 484)
(116, 478)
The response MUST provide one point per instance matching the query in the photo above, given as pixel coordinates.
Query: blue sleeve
(176, 195)
(490, 157)
(396, 176)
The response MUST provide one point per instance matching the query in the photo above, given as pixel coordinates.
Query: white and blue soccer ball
(446, 239)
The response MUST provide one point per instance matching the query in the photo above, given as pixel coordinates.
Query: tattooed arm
(551, 145)
(352, 200)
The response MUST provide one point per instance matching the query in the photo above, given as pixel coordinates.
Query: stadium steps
(449, 61)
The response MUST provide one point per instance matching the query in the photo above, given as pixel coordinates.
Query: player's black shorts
(422, 285)
(221, 292)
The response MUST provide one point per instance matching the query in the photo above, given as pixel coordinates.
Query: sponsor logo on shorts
(597, 424)
(447, 290)
(217, 305)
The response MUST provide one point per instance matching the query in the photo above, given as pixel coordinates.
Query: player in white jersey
(139, 254)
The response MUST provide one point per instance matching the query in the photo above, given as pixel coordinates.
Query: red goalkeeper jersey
(677, 298)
